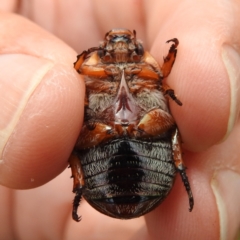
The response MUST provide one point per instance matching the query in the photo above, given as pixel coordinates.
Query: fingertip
(201, 83)
(227, 198)
(201, 75)
(45, 129)
(231, 60)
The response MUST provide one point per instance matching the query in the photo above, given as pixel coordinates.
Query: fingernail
(225, 185)
(17, 85)
(231, 60)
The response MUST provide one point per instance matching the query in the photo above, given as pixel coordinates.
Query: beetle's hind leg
(76, 203)
(78, 183)
(178, 160)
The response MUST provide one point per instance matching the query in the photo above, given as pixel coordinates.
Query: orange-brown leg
(91, 137)
(170, 58)
(155, 123)
(93, 71)
(78, 183)
(81, 57)
(178, 160)
(167, 67)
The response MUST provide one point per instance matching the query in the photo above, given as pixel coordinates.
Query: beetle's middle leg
(78, 183)
(170, 92)
(178, 160)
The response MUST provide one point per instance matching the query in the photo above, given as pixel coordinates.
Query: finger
(8, 5)
(215, 177)
(110, 16)
(60, 225)
(206, 80)
(80, 31)
(6, 231)
(42, 101)
(205, 75)
(225, 184)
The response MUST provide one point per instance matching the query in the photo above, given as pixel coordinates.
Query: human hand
(42, 107)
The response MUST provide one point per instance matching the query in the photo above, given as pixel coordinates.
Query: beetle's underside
(129, 149)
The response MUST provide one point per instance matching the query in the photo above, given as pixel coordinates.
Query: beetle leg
(170, 58)
(82, 57)
(167, 67)
(76, 203)
(88, 65)
(94, 135)
(151, 65)
(178, 160)
(78, 183)
(147, 73)
(170, 92)
(155, 123)
(93, 71)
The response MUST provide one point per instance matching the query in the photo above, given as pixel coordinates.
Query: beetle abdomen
(127, 177)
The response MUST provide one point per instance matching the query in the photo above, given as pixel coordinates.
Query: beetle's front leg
(82, 57)
(178, 160)
(170, 58)
(78, 183)
(167, 67)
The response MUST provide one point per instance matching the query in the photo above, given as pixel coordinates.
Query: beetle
(129, 149)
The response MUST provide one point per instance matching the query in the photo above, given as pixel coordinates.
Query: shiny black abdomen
(127, 178)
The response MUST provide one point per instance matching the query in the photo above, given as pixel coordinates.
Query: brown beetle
(129, 150)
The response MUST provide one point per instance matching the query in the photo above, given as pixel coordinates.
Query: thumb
(41, 104)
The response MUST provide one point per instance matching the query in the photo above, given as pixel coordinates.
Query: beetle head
(120, 45)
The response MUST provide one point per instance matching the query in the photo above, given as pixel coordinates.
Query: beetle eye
(100, 53)
(140, 49)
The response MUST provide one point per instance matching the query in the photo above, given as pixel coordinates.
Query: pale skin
(42, 99)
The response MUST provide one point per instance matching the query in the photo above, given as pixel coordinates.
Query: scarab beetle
(129, 150)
